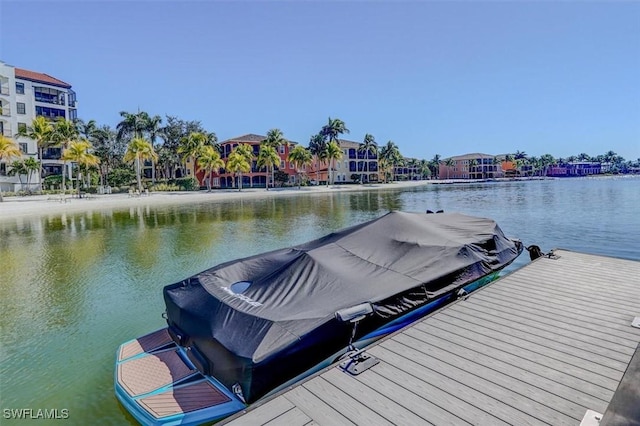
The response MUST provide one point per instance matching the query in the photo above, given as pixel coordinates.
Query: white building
(24, 95)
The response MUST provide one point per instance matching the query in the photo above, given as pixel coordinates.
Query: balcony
(51, 113)
(5, 130)
(50, 99)
(52, 154)
(49, 95)
(6, 111)
(4, 90)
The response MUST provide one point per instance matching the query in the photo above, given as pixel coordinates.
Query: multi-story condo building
(25, 95)
(470, 166)
(256, 177)
(409, 170)
(355, 165)
(575, 168)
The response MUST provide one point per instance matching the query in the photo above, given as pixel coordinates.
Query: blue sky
(446, 77)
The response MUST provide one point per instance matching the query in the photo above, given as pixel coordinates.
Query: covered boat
(250, 325)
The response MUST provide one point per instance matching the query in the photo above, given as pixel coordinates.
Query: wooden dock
(540, 346)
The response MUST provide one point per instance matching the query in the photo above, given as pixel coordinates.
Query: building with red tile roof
(39, 77)
(256, 177)
(25, 95)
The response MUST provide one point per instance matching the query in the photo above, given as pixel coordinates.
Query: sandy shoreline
(42, 205)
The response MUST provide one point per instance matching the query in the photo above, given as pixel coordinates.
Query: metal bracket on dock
(551, 255)
(357, 361)
(636, 322)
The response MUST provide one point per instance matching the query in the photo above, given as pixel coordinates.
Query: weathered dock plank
(593, 344)
(538, 347)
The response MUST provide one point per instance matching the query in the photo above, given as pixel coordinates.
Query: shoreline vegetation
(146, 153)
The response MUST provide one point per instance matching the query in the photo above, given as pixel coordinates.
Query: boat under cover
(247, 326)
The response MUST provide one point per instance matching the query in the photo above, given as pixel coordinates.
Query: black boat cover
(260, 321)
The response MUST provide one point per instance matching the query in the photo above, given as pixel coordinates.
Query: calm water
(73, 287)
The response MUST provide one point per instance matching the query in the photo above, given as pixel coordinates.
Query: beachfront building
(470, 166)
(354, 166)
(256, 177)
(576, 168)
(24, 95)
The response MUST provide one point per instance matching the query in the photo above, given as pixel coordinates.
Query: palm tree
(209, 160)
(386, 167)
(534, 162)
(449, 162)
(520, 155)
(496, 163)
(167, 161)
(411, 164)
(107, 148)
(32, 166)
(246, 150)
(238, 163)
(132, 125)
(275, 139)
(391, 156)
(368, 145)
(546, 160)
(300, 157)
(333, 153)
(519, 163)
(153, 127)
(78, 151)
(40, 131)
(318, 148)
(64, 131)
(18, 169)
(268, 158)
(334, 128)
(139, 150)
(190, 146)
(86, 130)
(8, 149)
(435, 165)
(425, 171)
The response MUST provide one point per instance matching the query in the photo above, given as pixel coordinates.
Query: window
(21, 108)
(282, 164)
(1, 128)
(281, 149)
(23, 148)
(22, 127)
(20, 88)
(3, 169)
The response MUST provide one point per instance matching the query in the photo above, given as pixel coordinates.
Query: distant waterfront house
(24, 95)
(409, 170)
(256, 177)
(470, 166)
(578, 168)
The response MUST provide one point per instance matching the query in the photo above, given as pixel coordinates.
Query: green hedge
(187, 184)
